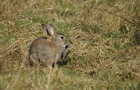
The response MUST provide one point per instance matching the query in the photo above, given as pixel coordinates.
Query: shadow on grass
(63, 63)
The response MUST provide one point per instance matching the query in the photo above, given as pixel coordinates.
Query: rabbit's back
(37, 44)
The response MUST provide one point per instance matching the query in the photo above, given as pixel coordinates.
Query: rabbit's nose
(64, 46)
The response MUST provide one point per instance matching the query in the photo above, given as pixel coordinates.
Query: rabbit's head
(55, 38)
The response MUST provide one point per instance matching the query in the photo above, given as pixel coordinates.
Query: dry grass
(106, 44)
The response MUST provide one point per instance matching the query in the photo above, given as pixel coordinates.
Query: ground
(105, 35)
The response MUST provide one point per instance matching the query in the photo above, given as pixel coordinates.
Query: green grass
(104, 33)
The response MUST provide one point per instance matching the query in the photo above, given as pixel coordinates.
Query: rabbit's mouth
(65, 46)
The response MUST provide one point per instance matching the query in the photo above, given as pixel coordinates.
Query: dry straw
(105, 35)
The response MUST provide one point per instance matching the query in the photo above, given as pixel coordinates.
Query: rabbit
(47, 51)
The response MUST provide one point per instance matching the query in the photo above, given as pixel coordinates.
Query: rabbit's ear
(49, 29)
(45, 28)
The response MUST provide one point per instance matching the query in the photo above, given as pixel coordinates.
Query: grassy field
(106, 44)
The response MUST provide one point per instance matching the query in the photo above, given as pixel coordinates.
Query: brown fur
(49, 39)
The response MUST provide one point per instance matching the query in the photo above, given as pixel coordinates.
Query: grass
(105, 36)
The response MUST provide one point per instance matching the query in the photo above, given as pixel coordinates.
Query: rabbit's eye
(62, 37)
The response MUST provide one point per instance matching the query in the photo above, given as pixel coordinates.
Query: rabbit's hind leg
(33, 59)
